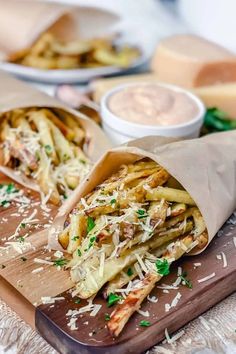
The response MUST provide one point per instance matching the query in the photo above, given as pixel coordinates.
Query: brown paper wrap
(15, 94)
(206, 168)
(21, 22)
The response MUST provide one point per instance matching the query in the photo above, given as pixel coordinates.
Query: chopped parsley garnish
(66, 157)
(60, 262)
(11, 188)
(129, 272)
(90, 224)
(23, 225)
(65, 196)
(48, 149)
(186, 281)
(163, 267)
(113, 201)
(141, 213)
(113, 299)
(79, 252)
(75, 238)
(5, 203)
(91, 241)
(107, 317)
(3, 266)
(82, 161)
(23, 259)
(144, 323)
(77, 301)
(21, 239)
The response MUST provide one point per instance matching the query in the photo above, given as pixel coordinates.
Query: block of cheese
(220, 96)
(100, 86)
(192, 61)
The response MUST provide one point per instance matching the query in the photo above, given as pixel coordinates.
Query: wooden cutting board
(22, 288)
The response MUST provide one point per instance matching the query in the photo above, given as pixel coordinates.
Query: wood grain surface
(23, 290)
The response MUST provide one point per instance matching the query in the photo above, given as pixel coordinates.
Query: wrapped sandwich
(142, 208)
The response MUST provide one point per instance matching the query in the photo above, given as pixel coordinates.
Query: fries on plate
(126, 233)
(46, 147)
(48, 52)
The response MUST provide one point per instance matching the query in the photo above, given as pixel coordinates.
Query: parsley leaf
(163, 267)
(77, 301)
(141, 213)
(113, 201)
(23, 259)
(107, 317)
(23, 225)
(144, 323)
(48, 149)
(3, 266)
(186, 281)
(79, 252)
(113, 299)
(75, 238)
(21, 239)
(129, 272)
(91, 241)
(60, 262)
(90, 224)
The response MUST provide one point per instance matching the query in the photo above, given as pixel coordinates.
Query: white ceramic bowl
(121, 131)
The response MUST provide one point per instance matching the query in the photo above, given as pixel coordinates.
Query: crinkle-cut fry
(178, 208)
(42, 124)
(45, 180)
(170, 195)
(133, 301)
(63, 147)
(159, 238)
(77, 231)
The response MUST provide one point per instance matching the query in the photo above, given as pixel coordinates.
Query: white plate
(70, 76)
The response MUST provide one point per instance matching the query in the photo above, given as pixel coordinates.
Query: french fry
(170, 195)
(77, 231)
(43, 126)
(132, 303)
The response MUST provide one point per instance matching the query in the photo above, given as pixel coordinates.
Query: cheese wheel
(191, 61)
(220, 96)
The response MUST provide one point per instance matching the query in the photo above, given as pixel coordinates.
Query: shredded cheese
(207, 278)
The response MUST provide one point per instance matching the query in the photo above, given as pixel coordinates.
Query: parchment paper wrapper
(21, 22)
(15, 94)
(205, 167)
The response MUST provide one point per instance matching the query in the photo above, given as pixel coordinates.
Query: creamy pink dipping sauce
(151, 104)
